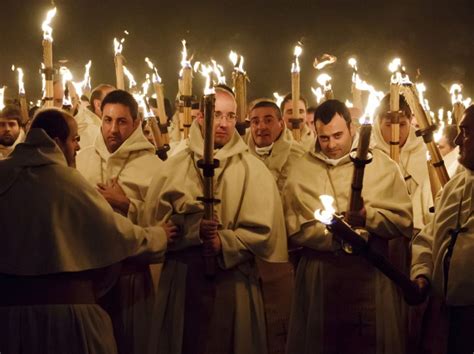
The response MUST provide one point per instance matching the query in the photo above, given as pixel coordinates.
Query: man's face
(265, 126)
(148, 133)
(288, 111)
(444, 147)
(117, 125)
(335, 138)
(386, 129)
(465, 140)
(310, 120)
(9, 131)
(224, 118)
(71, 145)
(98, 102)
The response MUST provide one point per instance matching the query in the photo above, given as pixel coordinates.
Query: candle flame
(325, 60)
(21, 84)
(325, 216)
(295, 66)
(185, 62)
(237, 60)
(279, 99)
(206, 71)
(373, 102)
(318, 93)
(233, 56)
(45, 26)
(324, 80)
(131, 80)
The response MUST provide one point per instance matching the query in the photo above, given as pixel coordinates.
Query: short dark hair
(469, 110)
(265, 102)
(288, 97)
(326, 111)
(53, 121)
(121, 97)
(224, 87)
(11, 112)
(384, 106)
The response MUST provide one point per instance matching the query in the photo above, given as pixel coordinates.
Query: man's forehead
(262, 111)
(8, 120)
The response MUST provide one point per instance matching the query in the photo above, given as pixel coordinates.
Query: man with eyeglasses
(223, 314)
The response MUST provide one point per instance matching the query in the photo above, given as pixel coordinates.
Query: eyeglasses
(230, 117)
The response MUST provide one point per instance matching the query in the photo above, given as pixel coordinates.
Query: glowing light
(185, 62)
(449, 114)
(318, 93)
(353, 63)
(46, 25)
(218, 72)
(237, 60)
(131, 80)
(118, 46)
(439, 133)
(326, 59)
(279, 99)
(349, 104)
(21, 84)
(206, 71)
(295, 66)
(373, 102)
(2, 97)
(155, 76)
(324, 80)
(325, 216)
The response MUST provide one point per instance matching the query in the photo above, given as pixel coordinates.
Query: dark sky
(435, 36)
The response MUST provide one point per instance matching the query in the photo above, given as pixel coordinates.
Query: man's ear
(96, 105)
(200, 118)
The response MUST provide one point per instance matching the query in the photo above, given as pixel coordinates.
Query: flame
(325, 60)
(206, 71)
(185, 62)
(395, 65)
(140, 98)
(2, 97)
(323, 79)
(325, 216)
(234, 57)
(467, 102)
(353, 63)
(421, 88)
(43, 80)
(155, 76)
(21, 84)
(86, 82)
(349, 104)
(66, 76)
(118, 46)
(295, 66)
(131, 80)
(146, 85)
(318, 93)
(373, 102)
(237, 61)
(428, 156)
(450, 117)
(279, 99)
(441, 115)
(45, 26)
(218, 70)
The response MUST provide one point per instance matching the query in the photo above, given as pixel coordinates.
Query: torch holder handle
(187, 100)
(295, 123)
(427, 133)
(208, 168)
(48, 73)
(242, 126)
(163, 128)
(162, 152)
(360, 163)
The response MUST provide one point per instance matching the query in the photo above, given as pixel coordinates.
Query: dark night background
(435, 36)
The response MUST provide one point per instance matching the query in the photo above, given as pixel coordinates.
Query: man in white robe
(224, 314)
(341, 303)
(267, 141)
(61, 247)
(121, 164)
(89, 118)
(442, 253)
(307, 135)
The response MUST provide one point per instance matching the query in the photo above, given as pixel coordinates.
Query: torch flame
(395, 65)
(279, 99)
(349, 104)
(373, 102)
(295, 66)
(21, 84)
(318, 93)
(206, 71)
(118, 46)
(325, 216)
(325, 60)
(237, 61)
(43, 80)
(439, 133)
(324, 79)
(185, 62)
(131, 80)
(467, 102)
(47, 29)
(155, 76)
(353, 63)
(86, 82)
(218, 70)
(456, 93)
(66, 76)
(233, 56)
(450, 117)
(2, 97)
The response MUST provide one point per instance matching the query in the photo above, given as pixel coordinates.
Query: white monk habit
(59, 238)
(224, 315)
(88, 126)
(450, 235)
(308, 139)
(341, 302)
(134, 163)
